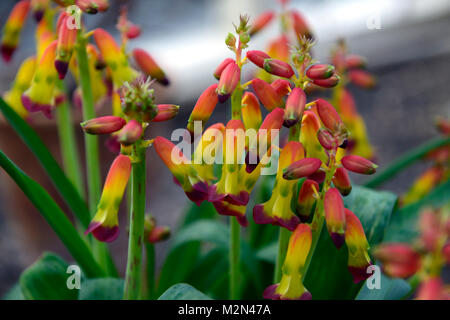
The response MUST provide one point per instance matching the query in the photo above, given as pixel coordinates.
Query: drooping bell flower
(105, 224)
(277, 210)
(300, 26)
(149, 66)
(103, 125)
(251, 111)
(39, 97)
(308, 136)
(291, 285)
(358, 164)
(267, 95)
(166, 112)
(341, 181)
(114, 57)
(261, 22)
(229, 79)
(358, 247)
(66, 44)
(93, 6)
(130, 133)
(278, 68)
(204, 108)
(185, 175)
(257, 57)
(335, 216)
(306, 199)
(362, 78)
(295, 105)
(22, 82)
(222, 67)
(398, 259)
(12, 29)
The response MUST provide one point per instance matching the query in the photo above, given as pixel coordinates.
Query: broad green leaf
(390, 289)
(183, 291)
(102, 289)
(404, 223)
(328, 276)
(46, 279)
(48, 162)
(15, 293)
(55, 217)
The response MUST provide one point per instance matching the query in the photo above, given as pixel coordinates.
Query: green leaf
(102, 289)
(404, 223)
(268, 253)
(390, 289)
(46, 279)
(15, 293)
(48, 162)
(56, 218)
(183, 291)
(328, 276)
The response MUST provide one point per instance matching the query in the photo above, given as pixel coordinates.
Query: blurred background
(406, 42)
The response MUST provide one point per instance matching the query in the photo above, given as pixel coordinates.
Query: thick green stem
(234, 258)
(283, 242)
(405, 161)
(137, 218)
(150, 271)
(236, 99)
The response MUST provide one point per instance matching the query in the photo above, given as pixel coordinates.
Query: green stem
(405, 161)
(137, 218)
(234, 258)
(150, 270)
(283, 242)
(236, 99)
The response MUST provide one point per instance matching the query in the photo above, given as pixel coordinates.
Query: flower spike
(12, 29)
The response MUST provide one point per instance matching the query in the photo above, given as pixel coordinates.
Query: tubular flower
(335, 216)
(267, 95)
(12, 29)
(222, 67)
(229, 79)
(341, 181)
(103, 125)
(40, 95)
(105, 224)
(399, 260)
(130, 133)
(114, 57)
(277, 210)
(358, 164)
(66, 43)
(185, 175)
(149, 66)
(261, 21)
(257, 57)
(320, 71)
(291, 284)
(278, 68)
(329, 116)
(204, 108)
(302, 168)
(306, 199)
(282, 87)
(308, 136)
(355, 238)
(295, 105)
(21, 83)
(44, 36)
(327, 83)
(166, 112)
(251, 111)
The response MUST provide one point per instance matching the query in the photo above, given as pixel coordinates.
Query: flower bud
(222, 67)
(306, 199)
(66, 44)
(257, 57)
(342, 182)
(320, 71)
(267, 95)
(358, 164)
(103, 125)
(130, 133)
(158, 234)
(432, 289)
(327, 83)
(278, 68)
(302, 168)
(362, 78)
(204, 107)
(229, 79)
(280, 48)
(92, 6)
(300, 26)
(329, 116)
(148, 65)
(295, 105)
(399, 260)
(165, 112)
(230, 41)
(251, 111)
(244, 38)
(12, 29)
(335, 216)
(354, 61)
(260, 22)
(282, 87)
(326, 139)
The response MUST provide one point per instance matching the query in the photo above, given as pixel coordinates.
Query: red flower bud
(295, 105)
(158, 234)
(432, 289)
(131, 133)
(335, 216)
(204, 107)
(229, 79)
(327, 83)
(262, 21)
(302, 168)
(342, 182)
(362, 78)
(66, 44)
(399, 260)
(320, 71)
(281, 86)
(326, 139)
(300, 26)
(306, 199)
(329, 116)
(251, 111)
(278, 68)
(165, 112)
(149, 66)
(267, 95)
(12, 29)
(103, 125)
(222, 67)
(257, 57)
(358, 164)
(355, 62)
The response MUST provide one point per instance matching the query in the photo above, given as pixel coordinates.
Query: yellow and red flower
(12, 29)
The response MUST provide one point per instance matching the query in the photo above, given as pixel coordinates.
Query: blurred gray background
(410, 56)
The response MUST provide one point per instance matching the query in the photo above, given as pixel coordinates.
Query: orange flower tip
(319, 71)
(362, 78)
(225, 209)
(102, 233)
(354, 61)
(257, 57)
(7, 52)
(61, 67)
(166, 112)
(271, 294)
(278, 68)
(199, 193)
(358, 164)
(260, 216)
(302, 168)
(359, 273)
(261, 21)
(327, 83)
(221, 67)
(130, 133)
(342, 182)
(31, 106)
(103, 125)
(158, 234)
